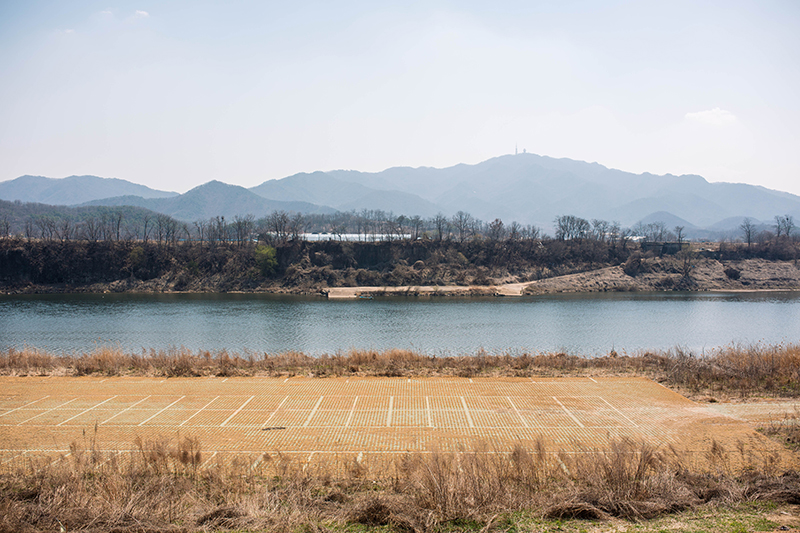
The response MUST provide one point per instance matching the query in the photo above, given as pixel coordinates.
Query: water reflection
(585, 324)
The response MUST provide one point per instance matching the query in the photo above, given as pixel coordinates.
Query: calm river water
(583, 324)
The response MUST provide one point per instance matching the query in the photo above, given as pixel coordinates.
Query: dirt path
(424, 290)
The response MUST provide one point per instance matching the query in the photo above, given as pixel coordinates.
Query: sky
(173, 93)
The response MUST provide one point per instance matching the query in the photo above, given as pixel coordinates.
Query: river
(587, 324)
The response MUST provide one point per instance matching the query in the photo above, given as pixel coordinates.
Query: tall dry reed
(735, 369)
(169, 485)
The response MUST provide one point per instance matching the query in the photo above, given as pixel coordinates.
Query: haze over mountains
(527, 188)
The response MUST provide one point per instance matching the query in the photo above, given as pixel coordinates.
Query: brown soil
(668, 274)
(376, 418)
(656, 274)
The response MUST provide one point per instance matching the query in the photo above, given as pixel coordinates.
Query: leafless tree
(279, 224)
(5, 226)
(116, 224)
(570, 227)
(147, 219)
(497, 231)
(416, 224)
(46, 226)
(220, 228)
(65, 230)
(243, 227)
(600, 229)
(441, 224)
(654, 231)
(297, 226)
(679, 233)
(187, 233)
(614, 231)
(531, 232)
(462, 223)
(748, 231)
(201, 227)
(784, 225)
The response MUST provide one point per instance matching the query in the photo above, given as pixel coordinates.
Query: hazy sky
(172, 94)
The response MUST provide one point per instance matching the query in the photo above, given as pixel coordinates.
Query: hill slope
(213, 199)
(73, 190)
(532, 188)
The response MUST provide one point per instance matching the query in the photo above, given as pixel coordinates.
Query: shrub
(265, 259)
(732, 273)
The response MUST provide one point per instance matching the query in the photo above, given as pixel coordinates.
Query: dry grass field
(373, 419)
(398, 441)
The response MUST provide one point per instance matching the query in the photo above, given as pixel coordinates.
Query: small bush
(266, 261)
(733, 273)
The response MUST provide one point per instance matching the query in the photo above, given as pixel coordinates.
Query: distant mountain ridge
(213, 199)
(527, 188)
(73, 190)
(535, 189)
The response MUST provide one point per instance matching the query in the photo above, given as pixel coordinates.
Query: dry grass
(787, 430)
(732, 370)
(164, 486)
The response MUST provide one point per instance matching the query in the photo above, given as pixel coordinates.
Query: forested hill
(525, 188)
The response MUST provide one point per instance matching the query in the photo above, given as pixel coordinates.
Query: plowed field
(318, 419)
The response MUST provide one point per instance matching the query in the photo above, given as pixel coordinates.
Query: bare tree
(514, 230)
(531, 232)
(29, 229)
(784, 225)
(46, 226)
(201, 227)
(146, 227)
(570, 227)
(186, 232)
(778, 226)
(243, 227)
(441, 224)
(462, 222)
(5, 227)
(600, 229)
(654, 231)
(279, 224)
(297, 226)
(497, 231)
(220, 228)
(748, 230)
(416, 227)
(614, 232)
(116, 224)
(65, 230)
(679, 233)
(400, 226)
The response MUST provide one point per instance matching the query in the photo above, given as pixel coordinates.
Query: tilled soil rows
(341, 419)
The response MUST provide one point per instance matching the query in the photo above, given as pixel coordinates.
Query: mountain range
(527, 188)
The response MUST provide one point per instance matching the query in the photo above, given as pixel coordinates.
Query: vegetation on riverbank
(729, 371)
(170, 485)
(310, 267)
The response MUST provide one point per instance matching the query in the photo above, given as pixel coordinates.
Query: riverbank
(649, 275)
(638, 275)
(731, 480)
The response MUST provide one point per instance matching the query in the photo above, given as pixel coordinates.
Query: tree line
(52, 223)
